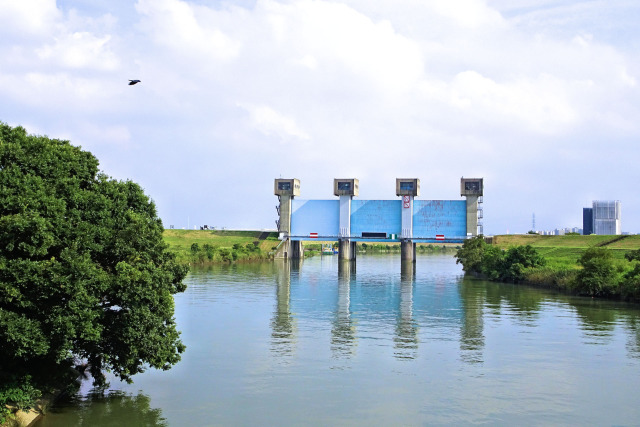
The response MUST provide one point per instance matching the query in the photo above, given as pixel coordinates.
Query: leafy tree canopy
(84, 272)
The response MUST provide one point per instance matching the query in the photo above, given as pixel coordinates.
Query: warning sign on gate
(406, 201)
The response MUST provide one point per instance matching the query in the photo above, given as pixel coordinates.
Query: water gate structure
(348, 220)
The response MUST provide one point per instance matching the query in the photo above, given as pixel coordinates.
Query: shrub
(598, 276)
(470, 254)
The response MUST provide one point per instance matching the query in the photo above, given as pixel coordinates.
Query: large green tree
(84, 272)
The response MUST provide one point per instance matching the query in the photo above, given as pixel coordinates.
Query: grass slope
(565, 250)
(180, 241)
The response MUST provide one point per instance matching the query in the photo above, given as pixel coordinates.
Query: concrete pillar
(472, 215)
(346, 250)
(472, 189)
(408, 251)
(286, 190)
(407, 188)
(346, 189)
(296, 249)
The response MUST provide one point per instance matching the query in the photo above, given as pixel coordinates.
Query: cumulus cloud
(80, 50)
(270, 122)
(513, 91)
(29, 17)
(178, 26)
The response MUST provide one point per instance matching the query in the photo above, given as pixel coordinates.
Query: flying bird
(132, 82)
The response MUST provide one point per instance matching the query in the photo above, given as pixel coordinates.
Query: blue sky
(538, 97)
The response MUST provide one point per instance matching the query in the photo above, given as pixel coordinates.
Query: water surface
(320, 343)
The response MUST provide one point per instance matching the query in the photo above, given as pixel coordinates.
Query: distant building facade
(602, 218)
(587, 221)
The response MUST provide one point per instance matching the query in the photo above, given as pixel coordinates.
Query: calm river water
(281, 344)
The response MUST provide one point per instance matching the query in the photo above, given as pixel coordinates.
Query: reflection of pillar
(343, 330)
(282, 324)
(472, 330)
(406, 340)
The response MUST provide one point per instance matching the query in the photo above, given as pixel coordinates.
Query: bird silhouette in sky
(132, 82)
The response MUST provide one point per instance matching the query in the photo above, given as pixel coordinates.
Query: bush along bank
(206, 253)
(596, 273)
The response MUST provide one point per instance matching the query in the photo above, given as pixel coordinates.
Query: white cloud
(541, 104)
(270, 122)
(178, 25)
(28, 16)
(473, 14)
(80, 50)
(508, 90)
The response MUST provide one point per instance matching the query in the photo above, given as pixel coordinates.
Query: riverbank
(195, 247)
(598, 266)
(220, 246)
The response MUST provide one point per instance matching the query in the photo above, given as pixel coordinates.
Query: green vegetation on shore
(603, 266)
(85, 277)
(217, 246)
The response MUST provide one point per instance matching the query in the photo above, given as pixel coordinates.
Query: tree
(598, 276)
(471, 253)
(84, 272)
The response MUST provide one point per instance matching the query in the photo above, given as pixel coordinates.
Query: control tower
(346, 189)
(408, 188)
(472, 189)
(286, 190)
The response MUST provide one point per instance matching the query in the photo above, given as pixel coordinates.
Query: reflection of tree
(597, 316)
(115, 409)
(406, 339)
(633, 341)
(282, 324)
(473, 295)
(343, 331)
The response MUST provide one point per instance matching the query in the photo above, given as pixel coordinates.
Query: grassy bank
(567, 249)
(217, 246)
(587, 265)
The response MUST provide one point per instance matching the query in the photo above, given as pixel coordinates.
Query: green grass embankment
(562, 254)
(565, 250)
(218, 246)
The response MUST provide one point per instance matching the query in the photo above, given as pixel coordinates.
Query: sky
(538, 97)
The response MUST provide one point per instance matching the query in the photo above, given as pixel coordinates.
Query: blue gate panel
(378, 216)
(314, 216)
(431, 217)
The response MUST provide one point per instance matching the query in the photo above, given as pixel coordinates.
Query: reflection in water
(598, 324)
(406, 338)
(473, 298)
(633, 337)
(343, 330)
(115, 409)
(426, 347)
(282, 325)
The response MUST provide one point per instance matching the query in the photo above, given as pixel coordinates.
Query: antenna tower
(533, 222)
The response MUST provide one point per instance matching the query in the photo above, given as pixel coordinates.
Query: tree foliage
(496, 264)
(84, 272)
(471, 253)
(598, 276)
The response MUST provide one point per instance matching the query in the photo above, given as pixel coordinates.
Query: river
(311, 343)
